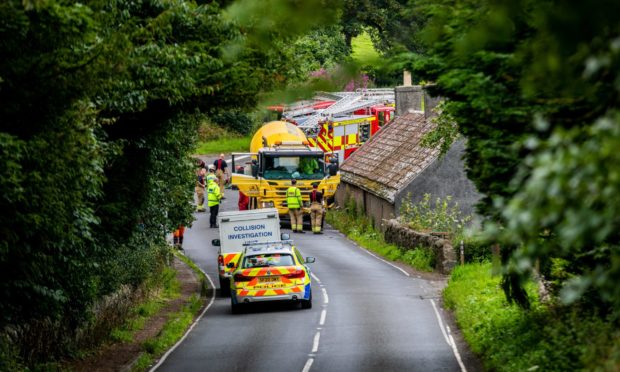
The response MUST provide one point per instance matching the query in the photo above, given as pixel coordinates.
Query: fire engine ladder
(386, 94)
(345, 105)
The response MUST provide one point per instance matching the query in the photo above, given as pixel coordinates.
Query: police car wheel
(236, 308)
(307, 304)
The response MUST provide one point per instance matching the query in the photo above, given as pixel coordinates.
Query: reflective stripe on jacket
(293, 197)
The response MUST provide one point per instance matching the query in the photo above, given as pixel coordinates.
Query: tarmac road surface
(367, 315)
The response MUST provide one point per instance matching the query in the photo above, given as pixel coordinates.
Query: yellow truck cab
(279, 153)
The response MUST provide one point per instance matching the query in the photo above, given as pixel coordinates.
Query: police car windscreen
(267, 260)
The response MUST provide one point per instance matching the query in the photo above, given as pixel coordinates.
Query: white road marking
(315, 344)
(449, 339)
(389, 263)
(165, 356)
(317, 336)
(315, 278)
(308, 365)
(326, 299)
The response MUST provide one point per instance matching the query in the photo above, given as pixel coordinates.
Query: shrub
(420, 258)
(235, 121)
(209, 131)
(439, 216)
(475, 248)
(544, 338)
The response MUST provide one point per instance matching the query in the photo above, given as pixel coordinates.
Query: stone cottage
(393, 164)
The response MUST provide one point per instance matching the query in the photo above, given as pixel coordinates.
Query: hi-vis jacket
(293, 198)
(214, 195)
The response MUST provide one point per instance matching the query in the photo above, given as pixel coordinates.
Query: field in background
(241, 144)
(364, 51)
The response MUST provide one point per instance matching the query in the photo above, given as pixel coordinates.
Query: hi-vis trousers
(297, 220)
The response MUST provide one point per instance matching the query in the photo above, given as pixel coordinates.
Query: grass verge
(543, 338)
(359, 229)
(235, 144)
(175, 326)
(170, 289)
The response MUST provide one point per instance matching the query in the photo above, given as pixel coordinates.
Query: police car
(271, 272)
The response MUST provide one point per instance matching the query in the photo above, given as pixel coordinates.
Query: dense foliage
(439, 215)
(545, 339)
(533, 87)
(100, 104)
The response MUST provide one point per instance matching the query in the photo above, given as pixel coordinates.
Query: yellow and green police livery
(271, 272)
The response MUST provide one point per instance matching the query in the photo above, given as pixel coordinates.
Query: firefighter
(200, 190)
(220, 171)
(211, 175)
(294, 202)
(213, 197)
(316, 209)
(308, 165)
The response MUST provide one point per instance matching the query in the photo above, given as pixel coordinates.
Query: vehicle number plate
(268, 279)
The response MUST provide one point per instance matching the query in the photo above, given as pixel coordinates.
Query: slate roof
(392, 158)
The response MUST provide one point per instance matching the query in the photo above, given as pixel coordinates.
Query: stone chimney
(406, 78)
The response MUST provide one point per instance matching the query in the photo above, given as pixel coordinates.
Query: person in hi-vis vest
(294, 202)
(213, 199)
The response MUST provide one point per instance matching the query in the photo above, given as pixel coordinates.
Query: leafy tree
(101, 101)
(531, 85)
(380, 17)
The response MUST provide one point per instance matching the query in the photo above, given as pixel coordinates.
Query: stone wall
(406, 238)
(376, 208)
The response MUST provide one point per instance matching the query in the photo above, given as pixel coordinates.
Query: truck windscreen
(299, 167)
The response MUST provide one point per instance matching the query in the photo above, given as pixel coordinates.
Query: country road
(368, 315)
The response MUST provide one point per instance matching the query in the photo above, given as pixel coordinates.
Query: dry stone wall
(406, 238)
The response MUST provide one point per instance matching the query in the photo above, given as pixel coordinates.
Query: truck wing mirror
(333, 170)
(285, 236)
(310, 259)
(215, 242)
(230, 265)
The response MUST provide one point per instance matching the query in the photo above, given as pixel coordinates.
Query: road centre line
(325, 297)
(315, 344)
(308, 365)
(381, 259)
(449, 339)
(165, 356)
(323, 314)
